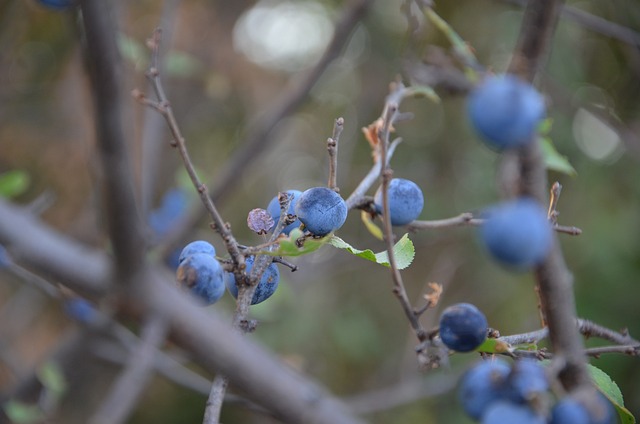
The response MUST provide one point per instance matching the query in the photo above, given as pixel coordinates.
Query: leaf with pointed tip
(403, 251)
(554, 160)
(610, 389)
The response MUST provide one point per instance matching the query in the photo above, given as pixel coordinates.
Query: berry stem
(332, 148)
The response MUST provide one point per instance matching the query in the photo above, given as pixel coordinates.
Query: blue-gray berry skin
(502, 412)
(266, 287)
(463, 327)
(517, 233)
(5, 260)
(321, 210)
(198, 246)
(482, 385)
(527, 381)
(571, 411)
(405, 201)
(506, 111)
(274, 210)
(203, 276)
(80, 309)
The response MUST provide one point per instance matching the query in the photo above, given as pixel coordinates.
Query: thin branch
(373, 175)
(591, 329)
(332, 148)
(164, 107)
(390, 110)
(258, 137)
(631, 350)
(129, 386)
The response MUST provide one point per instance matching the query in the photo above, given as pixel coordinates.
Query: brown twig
(386, 173)
(163, 106)
(332, 148)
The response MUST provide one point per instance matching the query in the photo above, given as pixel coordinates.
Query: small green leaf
(13, 183)
(132, 50)
(181, 64)
(296, 244)
(554, 160)
(403, 252)
(494, 346)
(22, 413)
(371, 226)
(52, 378)
(610, 389)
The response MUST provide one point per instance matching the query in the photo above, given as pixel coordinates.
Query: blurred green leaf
(545, 126)
(52, 378)
(610, 389)
(554, 160)
(132, 51)
(423, 90)
(22, 413)
(181, 64)
(403, 250)
(13, 183)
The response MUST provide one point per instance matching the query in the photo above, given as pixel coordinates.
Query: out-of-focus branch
(129, 386)
(332, 148)
(104, 68)
(258, 136)
(554, 281)
(213, 343)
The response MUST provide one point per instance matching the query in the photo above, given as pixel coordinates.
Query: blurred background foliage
(336, 319)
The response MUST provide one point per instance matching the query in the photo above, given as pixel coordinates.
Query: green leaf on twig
(403, 252)
(554, 160)
(297, 244)
(494, 346)
(610, 389)
(13, 183)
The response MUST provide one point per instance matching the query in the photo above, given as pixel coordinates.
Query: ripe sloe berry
(405, 201)
(57, 4)
(198, 246)
(482, 385)
(505, 111)
(266, 287)
(527, 380)
(569, 410)
(274, 210)
(203, 275)
(463, 327)
(502, 412)
(517, 233)
(321, 210)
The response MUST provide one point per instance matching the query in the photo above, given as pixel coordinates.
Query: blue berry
(482, 385)
(198, 246)
(321, 210)
(274, 210)
(527, 380)
(502, 412)
(80, 309)
(203, 275)
(57, 4)
(5, 260)
(265, 289)
(517, 233)
(506, 111)
(602, 411)
(405, 201)
(463, 327)
(174, 205)
(569, 410)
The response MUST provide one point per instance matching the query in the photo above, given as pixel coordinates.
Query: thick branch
(104, 68)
